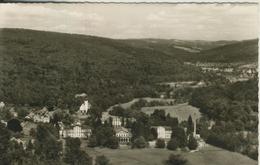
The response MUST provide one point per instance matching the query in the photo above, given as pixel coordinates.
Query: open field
(207, 156)
(181, 111)
(148, 99)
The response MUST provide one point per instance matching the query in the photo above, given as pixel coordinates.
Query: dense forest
(47, 68)
(234, 110)
(243, 51)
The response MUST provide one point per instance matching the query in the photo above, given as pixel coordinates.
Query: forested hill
(244, 51)
(39, 68)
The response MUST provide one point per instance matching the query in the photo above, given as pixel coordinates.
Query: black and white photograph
(128, 83)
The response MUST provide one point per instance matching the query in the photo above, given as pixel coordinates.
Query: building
(163, 132)
(19, 141)
(75, 131)
(13, 112)
(115, 120)
(84, 107)
(124, 135)
(2, 104)
(40, 116)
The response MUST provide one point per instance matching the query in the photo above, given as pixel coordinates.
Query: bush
(102, 160)
(160, 143)
(176, 160)
(139, 142)
(112, 143)
(14, 125)
(92, 141)
(192, 143)
(172, 144)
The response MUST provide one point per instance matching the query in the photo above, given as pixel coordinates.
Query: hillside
(39, 68)
(244, 51)
(183, 50)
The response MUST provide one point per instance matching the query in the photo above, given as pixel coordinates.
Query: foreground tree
(73, 154)
(4, 143)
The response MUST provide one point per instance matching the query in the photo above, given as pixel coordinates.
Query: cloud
(179, 21)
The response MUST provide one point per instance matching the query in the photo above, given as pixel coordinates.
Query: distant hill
(243, 51)
(180, 49)
(39, 68)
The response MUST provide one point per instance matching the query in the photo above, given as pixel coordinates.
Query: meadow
(208, 155)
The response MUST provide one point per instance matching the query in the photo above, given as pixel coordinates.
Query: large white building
(75, 131)
(163, 132)
(124, 135)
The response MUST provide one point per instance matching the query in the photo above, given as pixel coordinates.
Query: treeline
(45, 68)
(234, 109)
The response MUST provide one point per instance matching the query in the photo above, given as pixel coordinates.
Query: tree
(179, 134)
(172, 144)
(139, 142)
(176, 160)
(73, 154)
(192, 143)
(160, 143)
(102, 160)
(4, 144)
(112, 142)
(190, 126)
(14, 125)
(47, 145)
(92, 142)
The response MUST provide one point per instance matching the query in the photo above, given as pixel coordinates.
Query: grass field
(128, 104)
(207, 156)
(181, 111)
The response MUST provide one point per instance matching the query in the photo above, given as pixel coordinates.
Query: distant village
(78, 129)
(233, 72)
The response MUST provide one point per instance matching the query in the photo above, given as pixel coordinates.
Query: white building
(19, 141)
(84, 107)
(75, 131)
(163, 132)
(124, 135)
(115, 120)
(2, 105)
(40, 116)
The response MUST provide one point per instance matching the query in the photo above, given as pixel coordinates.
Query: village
(79, 129)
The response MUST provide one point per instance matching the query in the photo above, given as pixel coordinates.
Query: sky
(123, 21)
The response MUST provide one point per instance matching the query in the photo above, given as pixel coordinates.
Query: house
(13, 112)
(124, 135)
(163, 132)
(3, 122)
(84, 107)
(43, 116)
(75, 131)
(19, 141)
(115, 120)
(2, 105)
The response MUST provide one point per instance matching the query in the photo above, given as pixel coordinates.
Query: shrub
(176, 160)
(172, 144)
(139, 142)
(102, 160)
(192, 143)
(160, 143)
(14, 125)
(92, 141)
